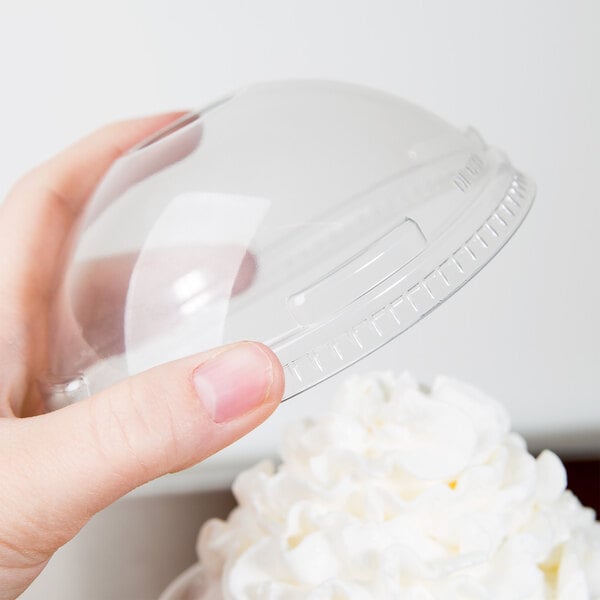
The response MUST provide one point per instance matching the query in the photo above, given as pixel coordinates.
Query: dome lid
(323, 219)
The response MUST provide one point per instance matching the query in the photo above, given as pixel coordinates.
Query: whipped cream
(402, 492)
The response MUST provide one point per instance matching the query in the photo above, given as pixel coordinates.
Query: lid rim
(388, 322)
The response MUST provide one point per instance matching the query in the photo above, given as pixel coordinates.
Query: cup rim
(181, 582)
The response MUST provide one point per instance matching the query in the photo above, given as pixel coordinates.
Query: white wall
(524, 73)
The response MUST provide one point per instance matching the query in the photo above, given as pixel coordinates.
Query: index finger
(42, 207)
(35, 221)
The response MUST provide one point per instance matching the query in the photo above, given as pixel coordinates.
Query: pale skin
(58, 469)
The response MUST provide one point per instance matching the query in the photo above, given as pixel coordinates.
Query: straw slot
(359, 275)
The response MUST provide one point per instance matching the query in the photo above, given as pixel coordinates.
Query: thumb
(62, 467)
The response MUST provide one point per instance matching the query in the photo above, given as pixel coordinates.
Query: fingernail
(234, 382)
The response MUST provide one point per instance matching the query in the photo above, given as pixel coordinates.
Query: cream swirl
(400, 492)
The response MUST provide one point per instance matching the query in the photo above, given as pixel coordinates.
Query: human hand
(58, 469)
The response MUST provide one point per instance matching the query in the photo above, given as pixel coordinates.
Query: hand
(59, 469)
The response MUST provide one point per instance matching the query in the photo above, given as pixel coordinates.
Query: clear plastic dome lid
(321, 219)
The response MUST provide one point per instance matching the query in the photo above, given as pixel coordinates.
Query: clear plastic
(322, 219)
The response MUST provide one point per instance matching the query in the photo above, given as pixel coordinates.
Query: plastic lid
(321, 219)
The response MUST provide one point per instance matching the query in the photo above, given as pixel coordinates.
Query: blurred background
(526, 330)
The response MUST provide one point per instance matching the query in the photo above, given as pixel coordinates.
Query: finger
(40, 210)
(100, 286)
(93, 324)
(35, 221)
(67, 465)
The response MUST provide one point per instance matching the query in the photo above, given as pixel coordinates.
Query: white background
(525, 74)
